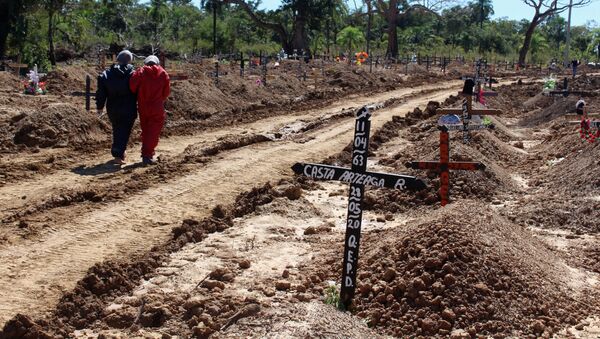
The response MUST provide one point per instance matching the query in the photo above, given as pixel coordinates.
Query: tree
(481, 11)
(395, 10)
(543, 10)
(554, 30)
(302, 13)
(369, 4)
(157, 12)
(11, 12)
(350, 37)
(52, 7)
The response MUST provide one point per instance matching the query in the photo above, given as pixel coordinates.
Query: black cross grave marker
(87, 93)
(565, 92)
(467, 111)
(357, 177)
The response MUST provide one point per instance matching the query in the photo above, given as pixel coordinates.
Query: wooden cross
(444, 165)
(467, 110)
(357, 177)
(565, 92)
(87, 94)
(17, 66)
(264, 71)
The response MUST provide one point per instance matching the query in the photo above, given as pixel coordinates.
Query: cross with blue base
(467, 111)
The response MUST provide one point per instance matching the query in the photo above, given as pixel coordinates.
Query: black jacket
(113, 91)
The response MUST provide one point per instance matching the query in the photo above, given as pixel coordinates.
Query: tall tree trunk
(392, 20)
(300, 38)
(392, 49)
(369, 24)
(5, 26)
(214, 28)
(51, 54)
(3, 39)
(527, 42)
(328, 25)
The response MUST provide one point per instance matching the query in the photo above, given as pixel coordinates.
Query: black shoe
(147, 161)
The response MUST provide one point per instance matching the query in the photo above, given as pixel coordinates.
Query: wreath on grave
(33, 88)
(361, 57)
(585, 131)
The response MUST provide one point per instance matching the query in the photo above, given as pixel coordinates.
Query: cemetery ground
(222, 239)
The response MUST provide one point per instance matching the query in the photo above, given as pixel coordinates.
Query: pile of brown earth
(58, 119)
(56, 125)
(464, 270)
(559, 161)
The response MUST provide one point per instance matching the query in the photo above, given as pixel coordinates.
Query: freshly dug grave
(66, 79)
(57, 125)
(418, 128)
(9, 82)
(463, 270)
(195, 103)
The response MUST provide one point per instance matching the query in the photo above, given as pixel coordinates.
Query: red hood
(153, 71)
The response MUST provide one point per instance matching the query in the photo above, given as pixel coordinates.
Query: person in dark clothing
(121, 107)
(580, 108)
(574, 64)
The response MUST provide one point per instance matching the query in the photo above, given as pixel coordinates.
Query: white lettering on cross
(306, 171)
(360, 142)
(350, 260)
(400, 184)
(360, 126)
(352, 241)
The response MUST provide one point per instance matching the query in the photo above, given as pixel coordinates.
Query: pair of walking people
(125, 91)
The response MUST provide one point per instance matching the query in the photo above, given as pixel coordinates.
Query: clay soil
(221, 239)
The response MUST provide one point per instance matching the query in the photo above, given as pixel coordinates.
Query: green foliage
(84, 26)
(332, 295)
(350, 37)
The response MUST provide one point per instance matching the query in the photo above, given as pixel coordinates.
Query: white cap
(152, 59)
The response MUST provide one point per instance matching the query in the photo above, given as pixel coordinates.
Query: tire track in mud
(90, 181)
(35, 271)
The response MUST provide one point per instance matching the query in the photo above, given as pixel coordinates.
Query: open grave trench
(514, 254)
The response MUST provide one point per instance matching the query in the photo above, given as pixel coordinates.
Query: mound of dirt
(21, 326)
(58, 125)
(548, 113)
(197, 99)
(465, 270)
(68, 79)
(9, 82)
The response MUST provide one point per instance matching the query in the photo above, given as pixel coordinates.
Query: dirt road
(54, 240)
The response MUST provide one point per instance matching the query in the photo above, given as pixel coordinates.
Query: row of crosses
(467, 112)
(358, 177)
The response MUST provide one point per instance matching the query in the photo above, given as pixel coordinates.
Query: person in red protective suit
(152, 85)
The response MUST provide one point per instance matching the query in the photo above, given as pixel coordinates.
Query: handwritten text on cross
(357, 177)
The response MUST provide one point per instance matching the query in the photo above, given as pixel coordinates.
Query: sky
(512, 9)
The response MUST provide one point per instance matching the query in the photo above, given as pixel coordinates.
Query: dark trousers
(122, 123)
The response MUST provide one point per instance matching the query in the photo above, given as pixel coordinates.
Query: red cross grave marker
(444, 165)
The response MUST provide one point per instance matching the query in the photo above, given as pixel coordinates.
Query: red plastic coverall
(152, 86)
